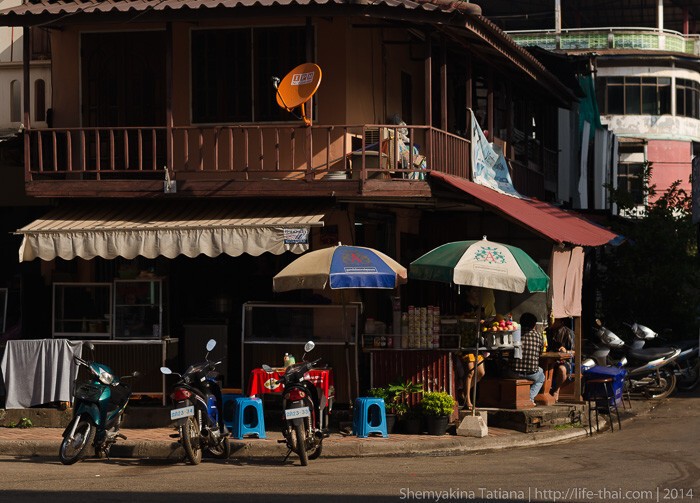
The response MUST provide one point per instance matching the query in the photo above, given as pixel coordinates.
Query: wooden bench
(504, 393)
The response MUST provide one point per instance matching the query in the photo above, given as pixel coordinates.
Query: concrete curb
(395, 445)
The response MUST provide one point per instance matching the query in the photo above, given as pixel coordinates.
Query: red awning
(543, 218)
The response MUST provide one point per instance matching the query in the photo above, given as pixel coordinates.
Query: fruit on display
(499, 324)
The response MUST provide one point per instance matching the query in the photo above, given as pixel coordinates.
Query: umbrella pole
(347, 344)
(475, 377)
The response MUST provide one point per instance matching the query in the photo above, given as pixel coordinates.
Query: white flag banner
(489, 168)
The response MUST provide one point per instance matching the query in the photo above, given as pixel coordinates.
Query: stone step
(531, 420)
(134, 417)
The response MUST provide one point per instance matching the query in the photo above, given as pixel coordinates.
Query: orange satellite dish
(297, 87)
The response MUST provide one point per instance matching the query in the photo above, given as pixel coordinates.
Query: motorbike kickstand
(287, 456)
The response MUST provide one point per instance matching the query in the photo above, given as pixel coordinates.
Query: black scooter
(305, 410)
(197, 410)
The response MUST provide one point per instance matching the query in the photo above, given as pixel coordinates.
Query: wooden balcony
(240, 161)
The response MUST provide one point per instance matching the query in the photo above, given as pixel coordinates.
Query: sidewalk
(157, 443)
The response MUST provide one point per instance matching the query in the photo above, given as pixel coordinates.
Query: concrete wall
(670, 161)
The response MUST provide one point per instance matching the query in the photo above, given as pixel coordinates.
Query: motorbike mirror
(166, 371)
(136, 373)
(211, 344)
(309, 346)
(267, 368)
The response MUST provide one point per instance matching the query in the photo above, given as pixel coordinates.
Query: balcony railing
(252, 152)
(610, 38)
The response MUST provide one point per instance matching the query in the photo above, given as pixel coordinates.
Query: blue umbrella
(341, 267)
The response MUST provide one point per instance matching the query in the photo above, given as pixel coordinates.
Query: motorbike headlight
(106, 378)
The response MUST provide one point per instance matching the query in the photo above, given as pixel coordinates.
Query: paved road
(653, 458)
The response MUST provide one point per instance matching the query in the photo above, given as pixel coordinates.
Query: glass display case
(138, 308)
(269, 323)
(82, 310)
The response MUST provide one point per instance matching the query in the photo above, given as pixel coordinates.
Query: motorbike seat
(649, 354)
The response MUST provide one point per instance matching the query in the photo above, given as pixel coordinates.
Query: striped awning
(128, 229)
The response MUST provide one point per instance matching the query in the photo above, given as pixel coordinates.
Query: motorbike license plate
(295, 413)
(183, 412)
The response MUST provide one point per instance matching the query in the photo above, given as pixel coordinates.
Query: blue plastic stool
(228, 409)
(369, 417)
(248, 418)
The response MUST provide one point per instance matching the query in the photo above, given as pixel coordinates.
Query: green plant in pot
(409, 417)
(437, 406)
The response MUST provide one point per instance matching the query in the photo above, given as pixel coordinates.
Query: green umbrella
(483, 263)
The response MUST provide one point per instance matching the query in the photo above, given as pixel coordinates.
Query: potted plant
(437, 406)
(409, 417)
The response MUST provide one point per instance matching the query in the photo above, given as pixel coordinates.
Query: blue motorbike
(98, 408)
(196, 410)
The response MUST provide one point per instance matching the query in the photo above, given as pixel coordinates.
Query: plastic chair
(248, 418)
(369, 417)
(599, 394)
(228, 409)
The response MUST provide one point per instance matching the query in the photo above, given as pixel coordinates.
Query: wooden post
(26, 56)
(489, 106)
(443, 84)
(577, 358)
(428, 65)
(169, 96)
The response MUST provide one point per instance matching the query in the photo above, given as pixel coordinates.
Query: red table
(264, 382)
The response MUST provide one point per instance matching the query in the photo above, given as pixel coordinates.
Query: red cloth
(262, 382)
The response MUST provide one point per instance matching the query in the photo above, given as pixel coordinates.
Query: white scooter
(648, 369)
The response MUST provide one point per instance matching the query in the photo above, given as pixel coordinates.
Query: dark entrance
(123, 85)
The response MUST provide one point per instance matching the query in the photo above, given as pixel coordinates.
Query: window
(630, 179)
(634, 95)
(688, 98)
(39, 100)
(15, 101)
(41, 43)
(232, 72)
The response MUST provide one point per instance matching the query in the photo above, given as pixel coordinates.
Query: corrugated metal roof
(62, 7)
(542, 218)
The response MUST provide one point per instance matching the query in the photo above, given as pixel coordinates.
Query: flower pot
(437, 425)
(390, 422)
(411, 426)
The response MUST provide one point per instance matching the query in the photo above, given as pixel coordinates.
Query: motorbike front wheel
(74, 449)
(190, 437)
(300, 433)
(222, 450)
(663, 386)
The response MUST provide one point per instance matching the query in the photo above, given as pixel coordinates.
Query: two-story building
(172, 166)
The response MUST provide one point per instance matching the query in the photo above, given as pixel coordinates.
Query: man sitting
(528, 367)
